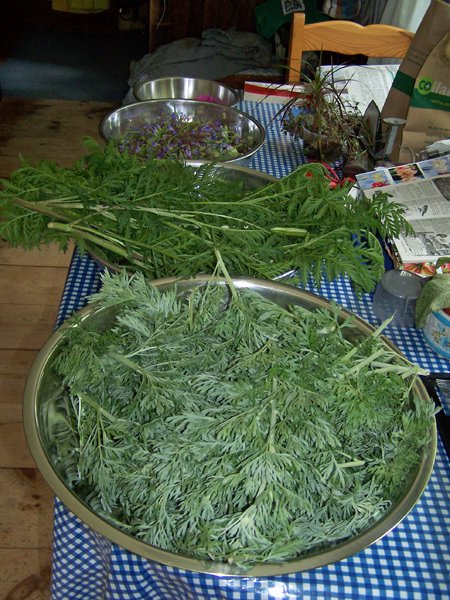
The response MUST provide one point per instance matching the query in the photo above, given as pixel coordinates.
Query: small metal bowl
(40, 401)
(133, 116)
(186, 88)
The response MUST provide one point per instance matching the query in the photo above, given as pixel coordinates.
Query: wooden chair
(343, 37)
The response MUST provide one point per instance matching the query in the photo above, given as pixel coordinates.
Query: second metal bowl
(134, 116)
(186, 88)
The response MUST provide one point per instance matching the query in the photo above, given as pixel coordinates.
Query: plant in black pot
(332, 129)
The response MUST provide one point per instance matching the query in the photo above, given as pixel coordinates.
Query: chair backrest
(343, 37)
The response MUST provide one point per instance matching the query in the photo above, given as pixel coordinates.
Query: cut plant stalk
(168, 219)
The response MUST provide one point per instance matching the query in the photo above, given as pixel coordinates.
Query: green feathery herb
(167, 219)
(235, 431)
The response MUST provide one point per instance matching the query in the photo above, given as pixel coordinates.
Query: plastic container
(437, 332)
(396, 295)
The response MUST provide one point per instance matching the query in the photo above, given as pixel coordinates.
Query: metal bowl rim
(141, 84)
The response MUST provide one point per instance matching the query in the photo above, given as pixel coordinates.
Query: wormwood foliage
(167, 219)
(229, 428)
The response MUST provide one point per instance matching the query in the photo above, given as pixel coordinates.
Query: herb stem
(273, 416)
(366, 361)
(314, 240)
(86, 398)
(403, 370)
(291, 231)
(39, 207)
(222, 268)
(98, 239)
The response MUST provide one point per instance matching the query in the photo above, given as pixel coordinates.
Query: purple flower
(181, 136)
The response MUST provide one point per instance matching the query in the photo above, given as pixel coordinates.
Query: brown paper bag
(420, 92)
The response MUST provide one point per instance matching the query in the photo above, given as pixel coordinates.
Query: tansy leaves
(167, 219)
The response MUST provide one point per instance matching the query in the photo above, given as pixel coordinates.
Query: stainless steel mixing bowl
(186, 88)
(43, 385)
(134, 116)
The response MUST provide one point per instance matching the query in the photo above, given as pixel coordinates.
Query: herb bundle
(264, 446)
(168, 219)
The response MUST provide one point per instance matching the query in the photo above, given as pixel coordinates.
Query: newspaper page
(424, 190)
(360, 84)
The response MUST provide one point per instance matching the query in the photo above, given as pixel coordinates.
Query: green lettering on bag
(403, 83)
(430, 100)
(425, 86)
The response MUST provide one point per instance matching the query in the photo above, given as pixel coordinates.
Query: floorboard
(31, 284)
(14, 368)
(15, 578)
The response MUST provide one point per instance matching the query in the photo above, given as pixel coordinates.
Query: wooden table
(31, 284)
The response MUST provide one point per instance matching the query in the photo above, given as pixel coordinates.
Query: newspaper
(360, 84)
(424, 190)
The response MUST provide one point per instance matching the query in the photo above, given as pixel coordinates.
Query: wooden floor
(31, 284)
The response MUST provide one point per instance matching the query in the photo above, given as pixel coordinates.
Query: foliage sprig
(167, 219)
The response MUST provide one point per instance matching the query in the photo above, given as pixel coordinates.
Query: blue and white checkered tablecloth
(411, 562)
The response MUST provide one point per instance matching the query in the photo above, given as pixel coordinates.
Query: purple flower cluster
(180, 136)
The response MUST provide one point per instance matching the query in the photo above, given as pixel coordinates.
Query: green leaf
(165, 219)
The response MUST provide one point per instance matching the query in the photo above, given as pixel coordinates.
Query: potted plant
(330, 126)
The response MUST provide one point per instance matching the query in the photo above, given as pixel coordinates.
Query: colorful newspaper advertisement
(424, 190)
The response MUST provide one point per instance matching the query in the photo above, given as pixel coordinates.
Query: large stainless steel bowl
(42, 387)
(134, 116)
(186, 88)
